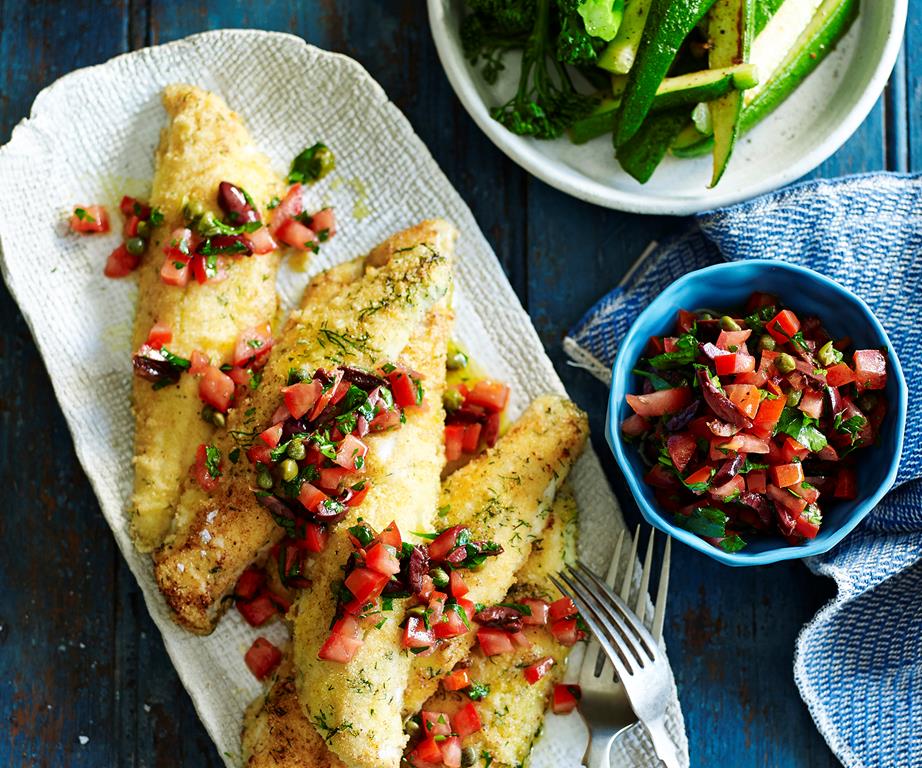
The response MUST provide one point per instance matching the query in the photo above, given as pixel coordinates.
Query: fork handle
(662, 743)
(598, 751)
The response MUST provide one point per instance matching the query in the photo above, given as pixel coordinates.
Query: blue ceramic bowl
(806, 292)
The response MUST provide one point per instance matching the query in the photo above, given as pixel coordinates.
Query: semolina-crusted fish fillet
(389, 308)
(503, 496)
(276, 734)
(204, 144)
(512, 713)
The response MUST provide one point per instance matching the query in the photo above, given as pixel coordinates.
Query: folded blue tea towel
(858, 664)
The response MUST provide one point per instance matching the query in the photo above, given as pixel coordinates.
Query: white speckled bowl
(812, 124)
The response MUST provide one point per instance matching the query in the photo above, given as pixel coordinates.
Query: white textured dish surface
(807, 128)
(94, 132)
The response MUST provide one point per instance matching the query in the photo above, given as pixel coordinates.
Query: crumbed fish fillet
(512, 713)
(504, 496)
(204, 144)
(362, 314)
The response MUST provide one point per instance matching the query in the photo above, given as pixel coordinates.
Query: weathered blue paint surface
(78, 654)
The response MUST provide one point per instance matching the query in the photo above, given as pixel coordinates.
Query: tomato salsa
(750, 421)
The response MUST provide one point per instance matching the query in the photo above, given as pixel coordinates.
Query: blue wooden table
(84, 677)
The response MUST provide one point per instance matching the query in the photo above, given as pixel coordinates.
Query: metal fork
(607, 711)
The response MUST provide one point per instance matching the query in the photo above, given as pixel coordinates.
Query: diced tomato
(726, 365)
(808, 492)
(291, 206)
(791, 449)
(566, 698)
(315, 537)
(686, 321)
(251, 343)
(298, 236)
(755, 481)
(173, 272)
(121, 263)
(261, 241)
(456, 585)
(324, 223)
(494, 641)
(366, 584)
(538, 670)
(403, 388)
(339, 648)
(520, 640)
(870, 369)
(311, 497)
(806, 528)
(734, 486)
(492, 395)
(350, 454)
(471, 438)
(88, 219)
(564, 608)
(846, 484)
(743, 443)
(391, 536)
(566, 631)
(444, 543)
(272, 435)
(300, 397)
(416, 635)
(451, 624)
(131, 226)
(634, 425)
(454, 441)
(786, 499)
(159, 335)
(262, 658)
(660, 403)
(670, 344)
(466, 720)
(427, 752)
(839, 374)
(745, 397)
(249, 583)
(435, 723)
(769, 412)
(540, 611)
(216, 389)
(457, 680)
(200, 472)
(259, 453)
(783, 326)
(199, 363)
(130, 206)
(382, 559)
(327, 394)
(257, 611)
(701, 475)
(811, 403)
(728, 339)
(451, 752)
(491, 429)
(784, 475)
(681, 448)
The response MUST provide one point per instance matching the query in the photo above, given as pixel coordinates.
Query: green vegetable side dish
(750, 421)
(680, 77)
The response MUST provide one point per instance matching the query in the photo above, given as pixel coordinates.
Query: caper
(135, 245)
(264, 479)
(794, 397)
(829, 355)
(192, 210)
(205, 223)
(785, 363)
(288, 470)
(143, 229)
(218, 419)
(766, 342)
(456, 359)
(468, 757)
(411, 727)
(705, 316)
(323, 161)
(729, 324)
(452, 399)
(439, 577)
(213, 416)
(296, 450)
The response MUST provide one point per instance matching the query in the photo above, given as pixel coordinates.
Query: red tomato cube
(726, 365)
(538, 670)
(839, 374)
(339, 648)
(89, 219)
(272, 435)
(494, 641)
(298, 236)
(466, 720)
(249, 583)
(454, 441)
(457, 680)
(811, 403)
(416, 635)
(291, 205)
(216, 388)
(257, 611)
(681, 449)
(660, 403)
(252, 343)
(121, 263)
(300, 397)
(492, 395)
(746, 397)
(564, 608)
(382, 559)
(566, 698)
(870, 369)
(784, 475)
(783, 326)
(366, 584)
(159, 335)
(540, 611)
(350, 454)
(262, 658)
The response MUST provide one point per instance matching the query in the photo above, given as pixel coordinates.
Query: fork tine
(659, 610)
(606, 616)
(616, 654)
(640, 607)
(613, 606)
(594, 654)
(629, 571)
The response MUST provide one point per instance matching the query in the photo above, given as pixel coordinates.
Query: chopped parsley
(213, 461)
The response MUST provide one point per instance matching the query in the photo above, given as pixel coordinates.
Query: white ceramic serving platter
(94, 132)
(807, 128)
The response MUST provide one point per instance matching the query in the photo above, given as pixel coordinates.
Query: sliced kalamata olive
(712, 351)
(152, 369)
(720, 404)
(276, 506)
(294, 427)
(235, 205)
(362, 379)
(485, 549)
(457, 555)
(361, 426)
(757, 502)
(682, 418)
(828, 453)
(786, 521)
(728, 470)
(467, 414)
(418, 568)
(836, 404)
(229, 245)
(812, 370)
(500, 617)
(813, 330)
(721, 428)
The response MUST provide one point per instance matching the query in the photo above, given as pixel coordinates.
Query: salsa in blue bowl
(707, 443)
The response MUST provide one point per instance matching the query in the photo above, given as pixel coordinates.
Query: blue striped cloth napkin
(858, 664)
